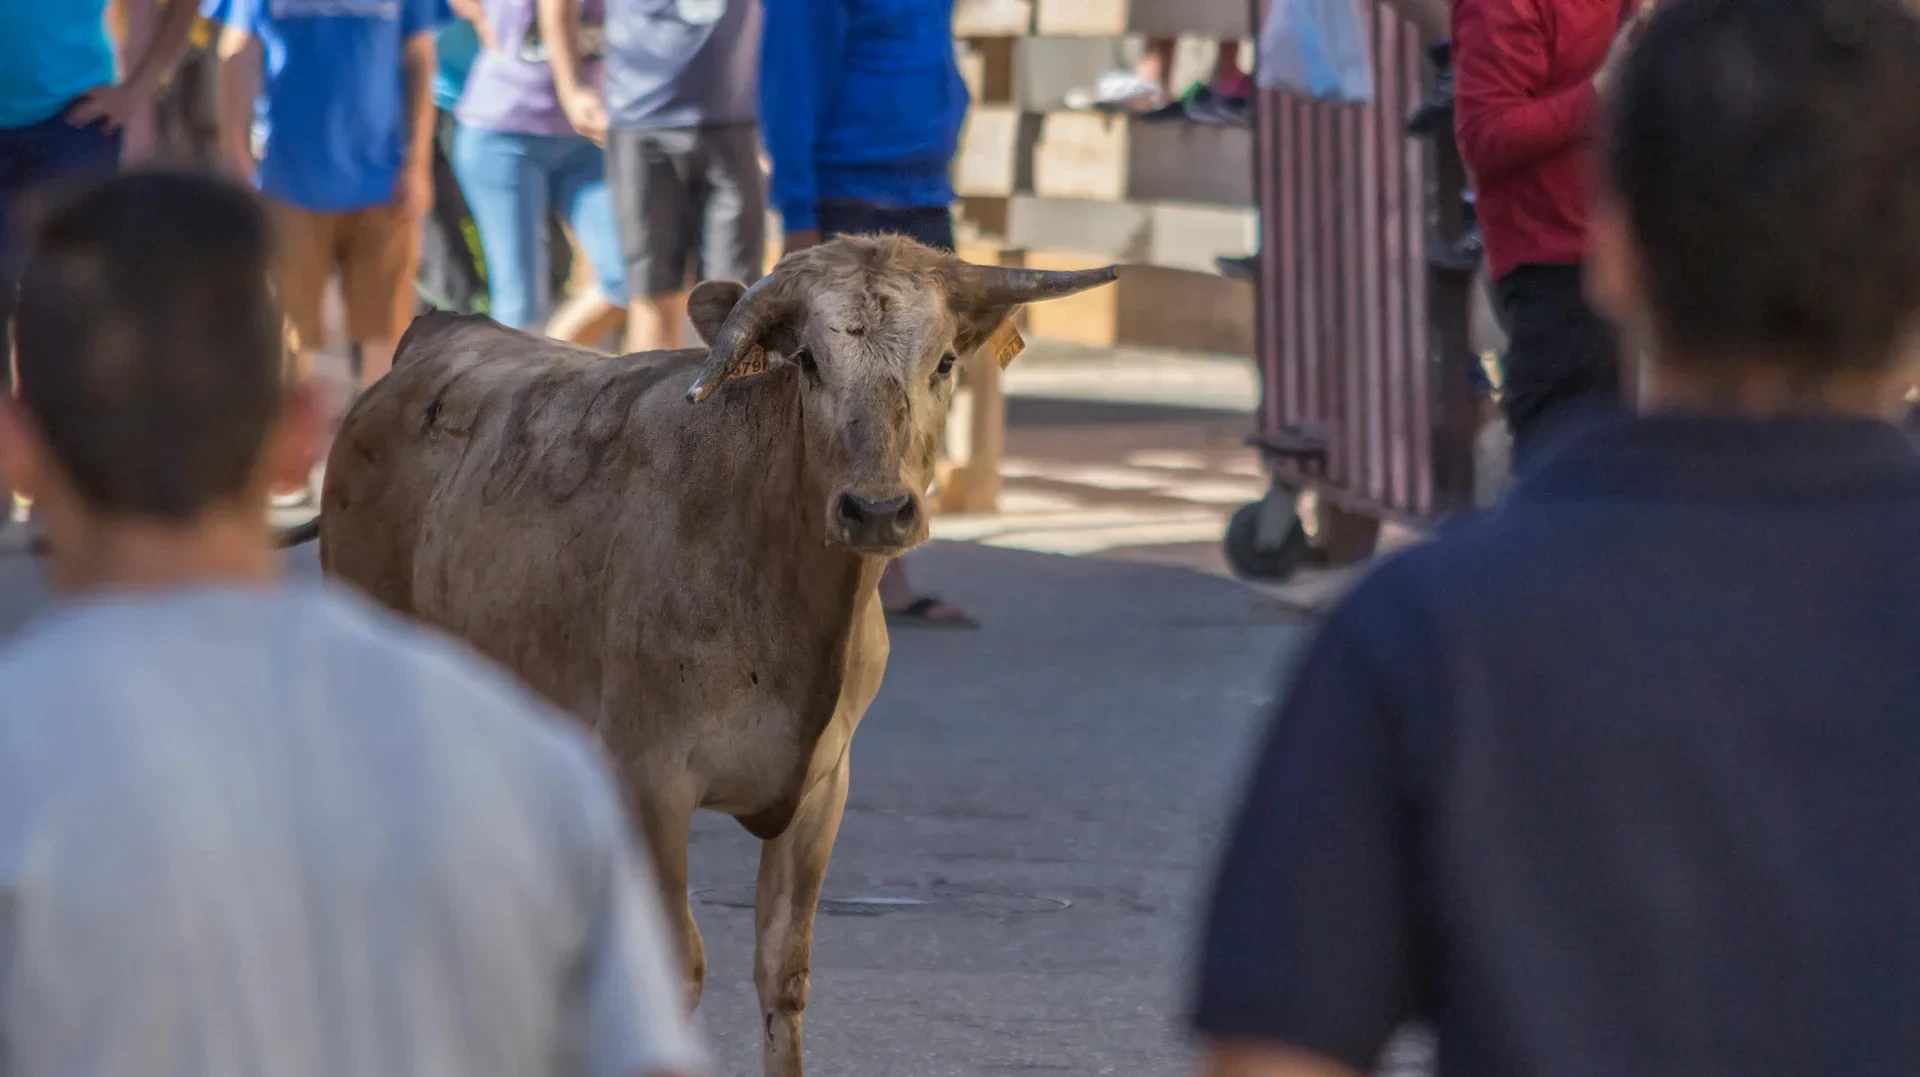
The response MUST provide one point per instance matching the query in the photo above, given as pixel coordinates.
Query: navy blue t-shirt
(1619, 780)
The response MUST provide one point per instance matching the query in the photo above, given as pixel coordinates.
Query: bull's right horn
(759, 308)
(1005, 286)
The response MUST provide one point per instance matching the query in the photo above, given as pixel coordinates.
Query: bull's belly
(761, 780)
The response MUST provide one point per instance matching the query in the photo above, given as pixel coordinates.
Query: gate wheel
(1269, 557)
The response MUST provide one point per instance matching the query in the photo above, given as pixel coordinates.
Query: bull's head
(873, 329)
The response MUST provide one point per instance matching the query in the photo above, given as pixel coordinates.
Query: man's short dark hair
(149, 343)
(1768, 155)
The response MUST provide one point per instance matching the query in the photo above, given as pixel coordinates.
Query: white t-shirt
(281, 833)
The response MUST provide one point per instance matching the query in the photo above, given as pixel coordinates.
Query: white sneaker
(1121, 88)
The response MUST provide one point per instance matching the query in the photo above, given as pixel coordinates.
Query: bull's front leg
(665, 813)
(793, 867)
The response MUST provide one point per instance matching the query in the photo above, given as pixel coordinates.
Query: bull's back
(478, 485)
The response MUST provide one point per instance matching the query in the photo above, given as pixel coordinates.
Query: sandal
(919, 614)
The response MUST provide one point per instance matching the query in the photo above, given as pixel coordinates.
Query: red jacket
(1524, 116)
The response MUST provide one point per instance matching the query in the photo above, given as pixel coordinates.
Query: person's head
(151, 393)
(1759, 228)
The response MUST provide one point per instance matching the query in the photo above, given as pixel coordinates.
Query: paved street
(1033, 804)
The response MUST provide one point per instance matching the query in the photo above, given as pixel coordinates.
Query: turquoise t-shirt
(51, 51)
(458, 46)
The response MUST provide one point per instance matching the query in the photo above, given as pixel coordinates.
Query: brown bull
(693, 577)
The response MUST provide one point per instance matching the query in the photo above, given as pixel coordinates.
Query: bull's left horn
(759, 308)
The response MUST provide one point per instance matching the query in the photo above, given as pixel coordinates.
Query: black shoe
(1217, 109)
(1171, 112)
(1462, 254)
(1246, 267)
(1435, 113)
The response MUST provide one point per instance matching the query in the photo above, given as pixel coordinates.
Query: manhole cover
(880, 900)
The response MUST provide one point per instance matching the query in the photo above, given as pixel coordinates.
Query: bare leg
(300, 369)
(793, 867)
(1228, 79)
(1156, 64)
(653, 324)
(897, 594)
(588, 318)
(664, 824)
(376, 358)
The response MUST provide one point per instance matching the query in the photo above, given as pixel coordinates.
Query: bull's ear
(760, 310)
(710, 304)
(985, 296)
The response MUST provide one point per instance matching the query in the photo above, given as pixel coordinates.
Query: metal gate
(1363, 349)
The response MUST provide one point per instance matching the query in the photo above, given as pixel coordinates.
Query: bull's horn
(759, 307)
(1004, 286)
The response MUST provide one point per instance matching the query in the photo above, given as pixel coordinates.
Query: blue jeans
(510, 180)
(33, 160)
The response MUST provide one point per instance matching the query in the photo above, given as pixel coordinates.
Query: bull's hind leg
(792, 868)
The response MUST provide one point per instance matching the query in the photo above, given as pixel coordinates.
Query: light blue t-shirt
(51, 51)
(334, 94)
(682, 63)
(458, 46)
(249, 832)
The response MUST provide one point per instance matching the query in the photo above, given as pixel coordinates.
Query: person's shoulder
(29, 659)
(49, 646)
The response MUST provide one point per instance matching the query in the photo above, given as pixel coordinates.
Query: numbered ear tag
(754, 362)
(1006, 343)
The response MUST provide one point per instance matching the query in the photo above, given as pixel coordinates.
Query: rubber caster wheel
(1253, 556)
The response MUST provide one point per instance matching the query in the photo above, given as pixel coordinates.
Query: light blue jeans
(510, 180)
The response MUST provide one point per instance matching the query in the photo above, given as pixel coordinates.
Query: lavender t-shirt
(511, 87)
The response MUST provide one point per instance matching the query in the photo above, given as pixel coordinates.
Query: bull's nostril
(850, 510)
(905, 517)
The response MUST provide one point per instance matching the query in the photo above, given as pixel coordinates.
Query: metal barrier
(1363, 349)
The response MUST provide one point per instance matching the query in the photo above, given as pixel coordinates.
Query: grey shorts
(691, 203)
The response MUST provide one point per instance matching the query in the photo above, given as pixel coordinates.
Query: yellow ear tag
(1005, 343)
(754, 362)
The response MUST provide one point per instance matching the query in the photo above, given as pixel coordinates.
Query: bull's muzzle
(886, 525)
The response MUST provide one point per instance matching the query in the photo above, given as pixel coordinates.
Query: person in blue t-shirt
(347, 113)
(861, 104)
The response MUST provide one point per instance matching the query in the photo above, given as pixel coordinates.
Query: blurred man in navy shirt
(1620, 779)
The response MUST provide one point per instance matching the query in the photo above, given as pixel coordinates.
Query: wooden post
(970, 482)
(980, 481)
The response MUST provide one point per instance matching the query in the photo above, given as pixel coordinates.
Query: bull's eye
(946, 365)
(804, 357)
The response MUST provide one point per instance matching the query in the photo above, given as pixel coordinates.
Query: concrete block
(992, 18)
(1150, 306)
(1081, 155)
(1190, 162)
(1187, 236)
(1161, 18)
(1047, 69)
(994, 146)
(1103, 156)
(1114, 231)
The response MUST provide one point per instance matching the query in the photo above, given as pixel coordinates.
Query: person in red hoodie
(1529, 74)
